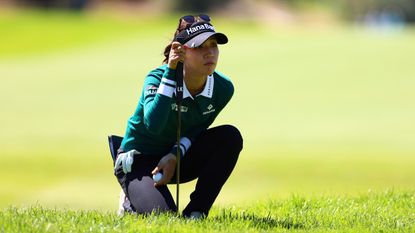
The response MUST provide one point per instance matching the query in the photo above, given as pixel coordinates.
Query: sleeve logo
(151, 90)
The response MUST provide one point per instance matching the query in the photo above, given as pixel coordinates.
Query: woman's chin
(210, 69)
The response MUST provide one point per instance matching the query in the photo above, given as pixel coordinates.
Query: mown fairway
(324, 113)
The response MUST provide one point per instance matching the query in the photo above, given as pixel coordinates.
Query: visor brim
(201, 38)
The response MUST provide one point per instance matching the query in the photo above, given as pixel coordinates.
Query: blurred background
(324, 94)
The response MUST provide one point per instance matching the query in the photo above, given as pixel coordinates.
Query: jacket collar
(207, 91)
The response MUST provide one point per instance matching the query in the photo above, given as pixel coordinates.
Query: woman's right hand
(177, 54)
(167, 164)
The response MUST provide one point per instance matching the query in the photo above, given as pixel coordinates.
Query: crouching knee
(232, 136)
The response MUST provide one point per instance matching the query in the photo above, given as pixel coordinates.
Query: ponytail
(167, 53)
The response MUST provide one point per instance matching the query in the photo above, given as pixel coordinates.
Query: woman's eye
(207, 46)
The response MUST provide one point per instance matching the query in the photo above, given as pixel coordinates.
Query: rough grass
(388, 211)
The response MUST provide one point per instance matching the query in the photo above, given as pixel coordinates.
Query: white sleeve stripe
(183, 149)
(165, 80)
(186, 143)
(165, 90)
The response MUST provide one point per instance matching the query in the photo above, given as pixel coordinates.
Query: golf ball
(157, 177)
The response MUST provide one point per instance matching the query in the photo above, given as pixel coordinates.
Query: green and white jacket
(152, 128)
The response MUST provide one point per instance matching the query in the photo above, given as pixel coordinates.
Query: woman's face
(203, 59)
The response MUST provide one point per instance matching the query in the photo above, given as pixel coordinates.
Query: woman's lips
(209, 63)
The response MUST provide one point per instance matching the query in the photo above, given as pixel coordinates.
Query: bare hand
(167, 164)
(177, 54)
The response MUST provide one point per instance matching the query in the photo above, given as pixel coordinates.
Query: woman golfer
(149, 145)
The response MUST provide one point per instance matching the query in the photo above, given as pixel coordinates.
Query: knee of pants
(232, 136)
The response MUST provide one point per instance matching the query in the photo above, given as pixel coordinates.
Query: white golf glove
(126, 159)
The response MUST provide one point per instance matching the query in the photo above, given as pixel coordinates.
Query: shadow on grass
(258, 222)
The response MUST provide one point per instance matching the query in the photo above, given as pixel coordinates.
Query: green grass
(324, 113)
(35, 32)
(388, 211)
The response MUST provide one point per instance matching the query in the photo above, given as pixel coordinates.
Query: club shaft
(179, 97)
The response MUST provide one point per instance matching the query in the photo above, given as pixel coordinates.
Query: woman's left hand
(167, 164)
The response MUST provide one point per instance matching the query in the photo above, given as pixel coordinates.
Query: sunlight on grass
(389, 211)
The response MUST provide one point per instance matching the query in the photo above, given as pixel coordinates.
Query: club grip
(179, 81)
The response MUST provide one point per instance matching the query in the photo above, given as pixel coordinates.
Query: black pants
(211, 159)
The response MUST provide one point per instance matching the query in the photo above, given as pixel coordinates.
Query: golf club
(179, 97)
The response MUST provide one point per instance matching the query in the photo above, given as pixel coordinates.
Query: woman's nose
(210, 52)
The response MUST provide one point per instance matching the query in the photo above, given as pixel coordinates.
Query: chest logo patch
(174, 107)
(210, 109)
